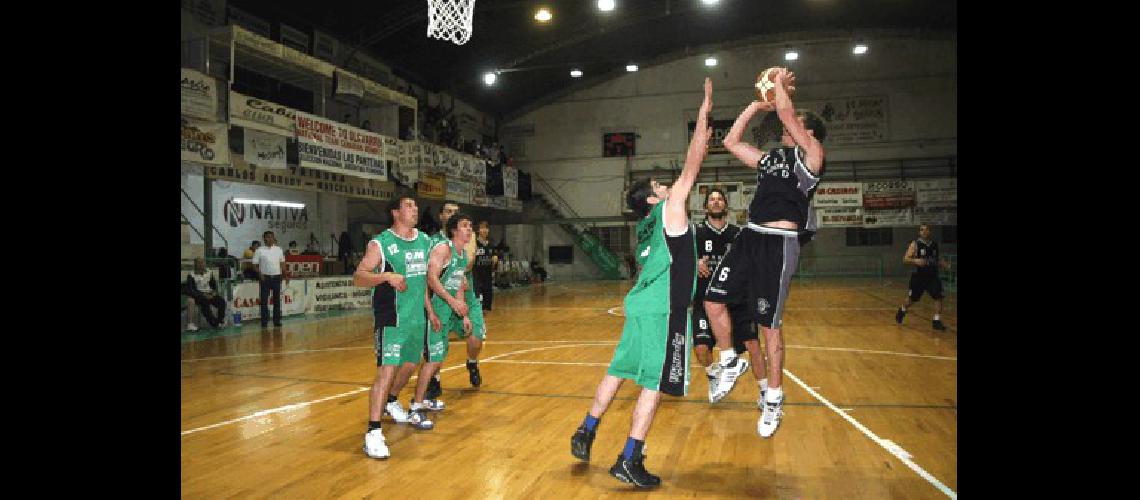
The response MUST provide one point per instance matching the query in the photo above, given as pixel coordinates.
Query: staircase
(546, 196)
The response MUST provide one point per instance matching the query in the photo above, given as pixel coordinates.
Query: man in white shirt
(268, 260)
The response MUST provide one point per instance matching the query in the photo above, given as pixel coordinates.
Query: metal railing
(195, 205)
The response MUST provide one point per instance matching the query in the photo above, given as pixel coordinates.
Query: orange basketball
(766, 88)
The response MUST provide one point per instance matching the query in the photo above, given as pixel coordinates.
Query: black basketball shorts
(757, 269)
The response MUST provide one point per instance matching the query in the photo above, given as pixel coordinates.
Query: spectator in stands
(366, 125)
(293, 250)
(226, 264)
(252, 248)
(203, 290)
(314, 247)
(247, 269)
(537, 271)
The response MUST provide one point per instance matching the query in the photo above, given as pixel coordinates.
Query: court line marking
(454, 342)
(295, 406)
(888, 445)
(579, 342)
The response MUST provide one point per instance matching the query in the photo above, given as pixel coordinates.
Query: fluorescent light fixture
(605, 5)
(791, 55)
(710, 61)
(275, 203)
(631, 67)
(710, 2)
(489, 78)
(575, 73)
(543, 15)
(859, 49)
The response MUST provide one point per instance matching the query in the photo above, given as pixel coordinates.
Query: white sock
(726, 356)
(774, 394)
(763, 383)
(936, 317)
(903, 308)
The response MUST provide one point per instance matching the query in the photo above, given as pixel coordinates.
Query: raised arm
(787, 114)
(676, 213)
(747, 153)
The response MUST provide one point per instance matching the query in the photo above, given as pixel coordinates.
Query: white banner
(458, 190)
(328, 294)
(251, 112)
(427, 156)
(888, 194)
(390, 148)
(479, 194)
(205, 142)
(247, 299)
(407, 169)
(838, 194)
(849, 120)
(264, 150)
(839, 217)
(241, 224)
(510, 182)
(199, 95)
(479, 171)
(936, 192)
(454, 165)
(324, 144)
(888, 217)
(936, 215)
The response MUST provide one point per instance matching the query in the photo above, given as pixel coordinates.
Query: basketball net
(450, 20)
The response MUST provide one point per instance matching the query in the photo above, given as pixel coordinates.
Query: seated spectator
(293, 250)
(314, 246)
(252, 248)
(225, 264)
(203, 290)
(247, 269)
(537, 271)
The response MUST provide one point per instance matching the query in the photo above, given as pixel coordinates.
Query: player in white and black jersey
(714, 237)
(923, 254)
(763, 258)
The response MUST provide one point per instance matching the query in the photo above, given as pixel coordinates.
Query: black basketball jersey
(928, 251)
(784, 187)
(482, 267)
(713, 243)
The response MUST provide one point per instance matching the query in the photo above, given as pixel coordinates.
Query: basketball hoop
(450, 20)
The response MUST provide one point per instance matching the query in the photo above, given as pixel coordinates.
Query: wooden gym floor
(870, 408)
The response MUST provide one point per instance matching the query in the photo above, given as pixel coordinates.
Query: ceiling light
(710, 2)
(631, 67)
(489, 78)
(710, 61)
(575, 73)
(605, 5)
(859, 49)
(543, 15)
(791, 55)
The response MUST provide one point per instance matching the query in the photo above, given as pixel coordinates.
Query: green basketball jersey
(407, 257)
(668, 267)
(451, 277)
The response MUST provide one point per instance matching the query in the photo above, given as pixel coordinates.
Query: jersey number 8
(708, 245)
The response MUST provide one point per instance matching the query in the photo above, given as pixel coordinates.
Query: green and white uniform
(401, 322)
(656, 339)
(474, 305)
